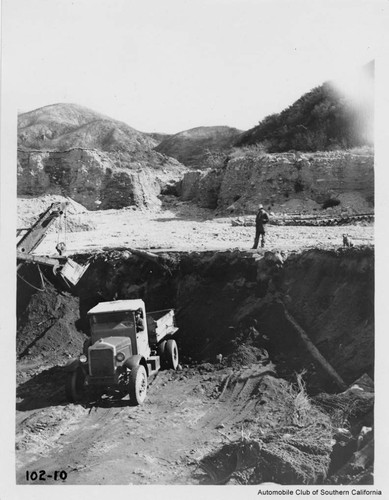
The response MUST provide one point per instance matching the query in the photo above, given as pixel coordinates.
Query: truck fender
(72, 365)
(134, 361)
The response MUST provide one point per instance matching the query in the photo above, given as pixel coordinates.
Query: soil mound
(47, 320)
(287, 440)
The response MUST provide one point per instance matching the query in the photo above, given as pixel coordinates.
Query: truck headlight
(120, 356)
(83, 358)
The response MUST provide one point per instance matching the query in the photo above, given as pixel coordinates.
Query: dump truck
(125, 348)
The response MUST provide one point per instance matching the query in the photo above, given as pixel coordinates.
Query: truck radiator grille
(101, 362)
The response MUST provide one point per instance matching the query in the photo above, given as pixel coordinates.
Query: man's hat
(260, 205)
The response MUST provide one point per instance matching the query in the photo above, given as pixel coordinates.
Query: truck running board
(153, 364)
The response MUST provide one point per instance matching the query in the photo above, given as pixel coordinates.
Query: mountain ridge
(62, 126)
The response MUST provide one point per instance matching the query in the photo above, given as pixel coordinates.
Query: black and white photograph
(194, 188)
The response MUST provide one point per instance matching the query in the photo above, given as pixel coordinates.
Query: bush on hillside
(320, 120)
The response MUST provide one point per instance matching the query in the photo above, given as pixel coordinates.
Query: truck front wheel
(75, 385)
(171, 353)
(138, 385)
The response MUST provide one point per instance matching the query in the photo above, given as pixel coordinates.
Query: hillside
(335, 115)
(69, 150)
(157, 137)
(191, 147)
(59, 127)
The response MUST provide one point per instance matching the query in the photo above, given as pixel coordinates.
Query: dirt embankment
(286, 182)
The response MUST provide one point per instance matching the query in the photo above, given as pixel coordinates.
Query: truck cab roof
(117, 305)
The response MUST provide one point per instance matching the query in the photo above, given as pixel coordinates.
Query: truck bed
(160, 324)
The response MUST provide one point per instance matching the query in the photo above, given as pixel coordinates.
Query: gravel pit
(219, 419)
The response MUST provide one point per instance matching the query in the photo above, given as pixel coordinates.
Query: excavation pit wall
(230, 303)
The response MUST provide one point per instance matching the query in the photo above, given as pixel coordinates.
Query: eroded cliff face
(202, 186)
(90, 176)
(287, 181)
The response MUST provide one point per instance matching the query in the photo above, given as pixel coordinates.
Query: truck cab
(118, 319)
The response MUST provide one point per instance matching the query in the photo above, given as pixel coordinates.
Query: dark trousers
(259, 232)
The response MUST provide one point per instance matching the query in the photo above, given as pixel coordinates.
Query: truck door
(142, 340)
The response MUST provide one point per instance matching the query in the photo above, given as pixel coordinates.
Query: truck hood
(115, 342)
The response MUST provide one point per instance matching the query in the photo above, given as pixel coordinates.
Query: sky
(172, 65)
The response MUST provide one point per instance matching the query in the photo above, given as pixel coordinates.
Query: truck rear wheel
(75, 385)
(161, 350)
(171, 354)
(137, 385)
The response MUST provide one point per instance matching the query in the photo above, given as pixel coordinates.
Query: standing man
(260, 221)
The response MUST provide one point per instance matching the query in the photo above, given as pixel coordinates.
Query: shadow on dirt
(113, 399)
(45, 389)
(48, 389)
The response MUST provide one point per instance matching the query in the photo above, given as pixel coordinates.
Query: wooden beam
(313, 350)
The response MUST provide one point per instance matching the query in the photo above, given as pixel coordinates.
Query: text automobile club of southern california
(321, 492)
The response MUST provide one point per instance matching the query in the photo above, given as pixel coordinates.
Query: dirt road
(187, 414)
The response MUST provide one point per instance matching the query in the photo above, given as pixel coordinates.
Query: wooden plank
(314, 351)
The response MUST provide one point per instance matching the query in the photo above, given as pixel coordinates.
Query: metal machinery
(67, 268)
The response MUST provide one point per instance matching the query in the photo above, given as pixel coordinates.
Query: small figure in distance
(347, 242)
(139, 324)
(261, 219)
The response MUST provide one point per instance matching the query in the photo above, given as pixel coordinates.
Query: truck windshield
(125, 317)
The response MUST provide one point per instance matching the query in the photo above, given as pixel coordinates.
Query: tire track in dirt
(52, 436)
(114, 445)
(239, 399)
(186, 416)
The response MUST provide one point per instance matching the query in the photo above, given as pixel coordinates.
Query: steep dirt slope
(191, 147)
(63, 126)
